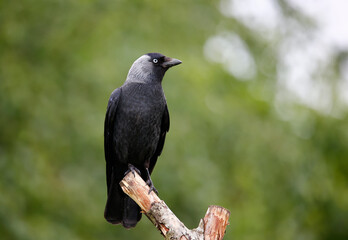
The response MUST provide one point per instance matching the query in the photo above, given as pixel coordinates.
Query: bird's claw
(152, 187)
(150, 183)
(132, 169)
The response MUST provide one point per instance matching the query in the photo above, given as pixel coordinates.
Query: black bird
(136, 123)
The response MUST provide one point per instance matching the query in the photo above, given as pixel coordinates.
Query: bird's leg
(150, 183)
(132, 169)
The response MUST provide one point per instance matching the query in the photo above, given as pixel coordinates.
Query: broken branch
(211, 227)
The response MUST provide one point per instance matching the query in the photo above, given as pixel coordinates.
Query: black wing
(164, 129)
(109, 142)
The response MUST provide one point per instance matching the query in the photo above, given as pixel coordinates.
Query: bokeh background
(258, 110)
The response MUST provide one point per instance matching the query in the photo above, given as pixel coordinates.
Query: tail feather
(131, 213)
(114, 205)
(121, 209)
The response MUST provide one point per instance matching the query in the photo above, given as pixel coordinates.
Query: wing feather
(109, 142)
(164, 129)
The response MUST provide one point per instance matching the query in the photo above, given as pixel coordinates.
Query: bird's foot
(152, 187)
(150, 183)
(132, 169)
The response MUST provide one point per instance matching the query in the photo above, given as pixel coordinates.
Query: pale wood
(211, 227)
(215, 223)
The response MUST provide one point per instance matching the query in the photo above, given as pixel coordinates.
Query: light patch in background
(331, 16)
(252, 13)
(230, 50)
(304, 55)
(302, 63)
(342, 86)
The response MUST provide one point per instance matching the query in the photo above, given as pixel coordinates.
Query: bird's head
(150, 67)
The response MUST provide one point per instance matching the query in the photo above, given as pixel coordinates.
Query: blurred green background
(237, 138)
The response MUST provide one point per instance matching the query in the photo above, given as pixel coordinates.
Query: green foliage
(59, 62)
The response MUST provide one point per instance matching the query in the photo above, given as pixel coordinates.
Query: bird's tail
(131, 213)
(121, 209)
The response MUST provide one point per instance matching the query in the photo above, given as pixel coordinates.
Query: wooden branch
(211, 227)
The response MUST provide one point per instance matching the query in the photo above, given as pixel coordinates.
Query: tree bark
(211, 227)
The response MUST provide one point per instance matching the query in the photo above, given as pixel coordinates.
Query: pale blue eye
(155, 60)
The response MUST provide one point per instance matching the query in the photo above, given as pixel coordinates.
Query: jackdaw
(136, 123)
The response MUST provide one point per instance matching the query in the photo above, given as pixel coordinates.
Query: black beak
(170, 62)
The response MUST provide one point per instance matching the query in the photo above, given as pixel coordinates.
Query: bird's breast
(138, 125)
